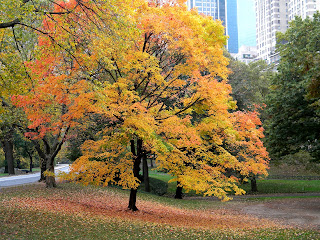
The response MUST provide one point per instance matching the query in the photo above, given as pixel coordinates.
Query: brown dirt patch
(299, 212)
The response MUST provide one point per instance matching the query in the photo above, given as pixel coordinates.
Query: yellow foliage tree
(163, 92)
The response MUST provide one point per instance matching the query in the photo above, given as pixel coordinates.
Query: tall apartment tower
(273, 16)
(302, 8)
(226, 11)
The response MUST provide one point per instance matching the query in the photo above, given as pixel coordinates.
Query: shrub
(157, 187)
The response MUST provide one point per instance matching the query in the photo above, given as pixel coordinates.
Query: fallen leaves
(112, 205)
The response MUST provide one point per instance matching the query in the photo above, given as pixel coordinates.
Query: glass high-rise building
(226, 11)
(232, 26)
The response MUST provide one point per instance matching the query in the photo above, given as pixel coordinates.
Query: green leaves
(294, 124)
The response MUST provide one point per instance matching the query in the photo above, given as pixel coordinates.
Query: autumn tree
(16, 47)
(62, 72)
(163, 92)
(19, 23)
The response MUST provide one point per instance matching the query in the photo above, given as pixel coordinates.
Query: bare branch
(10, 24)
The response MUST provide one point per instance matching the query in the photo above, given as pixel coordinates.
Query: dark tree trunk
(254, 187)
(18, 163)
(132, 200)
(43, 168)
(31, 162)
(5, 167)
(7, 145)
(145, 173)
(178, 191)
(50, 180)
(136, 168)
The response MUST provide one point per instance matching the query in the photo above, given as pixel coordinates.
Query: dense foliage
(294, 124)
(155, 78)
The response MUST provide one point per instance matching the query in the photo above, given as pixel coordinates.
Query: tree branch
(182, 110)
(10, 24)
(56, 151)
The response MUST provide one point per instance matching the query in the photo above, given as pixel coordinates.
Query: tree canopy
(294, 124)
(156, 77)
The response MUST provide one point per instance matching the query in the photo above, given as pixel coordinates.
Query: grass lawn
(264, 186)
(285, 186)
(33, 170)
(75, 212)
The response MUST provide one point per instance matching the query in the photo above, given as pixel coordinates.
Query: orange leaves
(248, 145)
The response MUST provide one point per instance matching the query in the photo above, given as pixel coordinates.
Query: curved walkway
(15, 180)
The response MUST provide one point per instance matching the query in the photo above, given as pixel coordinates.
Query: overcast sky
(246, 23)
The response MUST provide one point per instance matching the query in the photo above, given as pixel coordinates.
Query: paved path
(28, 178)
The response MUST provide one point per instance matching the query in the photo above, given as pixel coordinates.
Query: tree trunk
(43, 168)
(8, 151)
(151, 162)
(50, 180)
(18, 163)
(145, 173)
(6, 167)
(254, 187)
(178, 191)
(31, 162)
(136, 168)
(132, 200)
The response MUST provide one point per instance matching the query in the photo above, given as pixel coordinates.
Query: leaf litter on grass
(108, 206)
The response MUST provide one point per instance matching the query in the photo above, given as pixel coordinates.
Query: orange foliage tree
(248, 146)
(164, 92)
(60, 91)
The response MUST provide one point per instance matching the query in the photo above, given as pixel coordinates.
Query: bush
(157, 187)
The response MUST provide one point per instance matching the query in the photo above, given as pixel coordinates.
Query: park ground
(285, 210)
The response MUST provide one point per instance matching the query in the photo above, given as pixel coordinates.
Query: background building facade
(247, 54)
(273, 16)
(226, 11)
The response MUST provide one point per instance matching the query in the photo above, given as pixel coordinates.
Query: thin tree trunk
(178, 191)
(18, 163)
(254, 187)
(31, 162)
(5, 167)
(146, 173)
(43, 168)
(8, 151)
(136, 168)
(151, 162)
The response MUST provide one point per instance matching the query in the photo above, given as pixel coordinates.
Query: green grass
(264, 186)
(285, 186)
(33, 170)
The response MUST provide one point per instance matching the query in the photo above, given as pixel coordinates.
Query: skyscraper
(273, 16)
(232, 26)
(226, 11)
